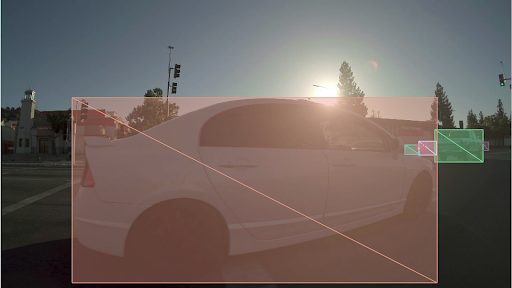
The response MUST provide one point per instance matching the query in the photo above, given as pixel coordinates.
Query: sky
(64, 49)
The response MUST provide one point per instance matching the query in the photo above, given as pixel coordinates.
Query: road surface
(474, 237)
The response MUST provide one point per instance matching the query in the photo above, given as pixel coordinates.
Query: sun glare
(326, 92)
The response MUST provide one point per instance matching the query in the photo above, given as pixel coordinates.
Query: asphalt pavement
(473, 237)
(46, 219)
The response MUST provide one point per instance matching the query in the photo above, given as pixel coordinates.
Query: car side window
(286, 126)
(349, 133)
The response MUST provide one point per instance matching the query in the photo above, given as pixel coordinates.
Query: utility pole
(169, 79)
(75, 120)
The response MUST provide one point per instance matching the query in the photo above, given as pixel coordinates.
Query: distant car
(149, 197)
(462, 144)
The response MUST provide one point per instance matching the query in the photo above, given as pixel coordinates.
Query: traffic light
(174, 86)
(83, 111)
(502, 80)
(177, 69)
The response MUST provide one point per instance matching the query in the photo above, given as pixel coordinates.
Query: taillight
(87, 180)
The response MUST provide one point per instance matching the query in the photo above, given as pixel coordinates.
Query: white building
(24, 139)
(34, 133)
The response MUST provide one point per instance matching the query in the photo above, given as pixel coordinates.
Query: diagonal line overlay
(428, 148)
(213, 169)
(459, 146)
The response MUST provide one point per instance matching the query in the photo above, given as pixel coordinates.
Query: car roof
(265, 100)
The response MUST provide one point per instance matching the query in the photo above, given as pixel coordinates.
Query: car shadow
(464, 260)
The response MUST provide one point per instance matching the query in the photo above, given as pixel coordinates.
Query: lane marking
(33, 199)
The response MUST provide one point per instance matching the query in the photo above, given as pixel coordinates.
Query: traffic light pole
(169, 79)
(74, 133)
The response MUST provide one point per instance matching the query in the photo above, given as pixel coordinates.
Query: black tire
(182, 240)
(418, 198)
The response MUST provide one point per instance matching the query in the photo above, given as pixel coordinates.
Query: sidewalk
(65, 164)
(45, 160)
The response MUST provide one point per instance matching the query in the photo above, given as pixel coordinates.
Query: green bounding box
(410, 149)
(459, 145)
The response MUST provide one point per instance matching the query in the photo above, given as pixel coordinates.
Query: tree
(495, 126)
(59, 124)
(481, 118)
(445, 109)
(500, 113)
(501, 123)
(350, 95)
(471, 121)
(151, 113)
(433, 110)
(9, 113)
(490, 124)
(157, 92)
(504, 128)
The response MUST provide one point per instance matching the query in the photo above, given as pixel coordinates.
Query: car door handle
(237, 165)
(343, 164)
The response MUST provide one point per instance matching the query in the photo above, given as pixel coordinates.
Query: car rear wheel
(418, 198)
(178, 240)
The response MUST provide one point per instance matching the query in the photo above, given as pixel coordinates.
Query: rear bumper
(101, 226)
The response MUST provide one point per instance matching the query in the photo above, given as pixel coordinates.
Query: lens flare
(375, 65)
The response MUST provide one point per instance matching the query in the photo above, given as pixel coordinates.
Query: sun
(326, 92)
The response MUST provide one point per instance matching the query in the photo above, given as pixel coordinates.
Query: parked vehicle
(233, 178)
(462, 144)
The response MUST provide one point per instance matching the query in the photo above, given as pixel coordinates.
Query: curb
(37, 164)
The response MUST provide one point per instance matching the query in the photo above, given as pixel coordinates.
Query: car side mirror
(394, 144)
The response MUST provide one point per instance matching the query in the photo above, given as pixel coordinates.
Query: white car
(266, 161)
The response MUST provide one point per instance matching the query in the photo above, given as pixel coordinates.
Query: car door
(275, 149)
(366, 177)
